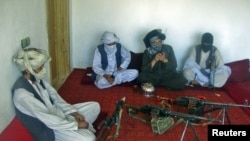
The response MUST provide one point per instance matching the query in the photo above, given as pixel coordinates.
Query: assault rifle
(199, 107)
(158, 111)
(107, 124)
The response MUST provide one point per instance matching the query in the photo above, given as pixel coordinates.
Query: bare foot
(194, 82)
(205, 85)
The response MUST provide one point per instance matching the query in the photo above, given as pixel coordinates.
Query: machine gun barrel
(196, 102)
(189, 117)
(224, 105)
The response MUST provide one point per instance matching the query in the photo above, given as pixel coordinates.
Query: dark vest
(38, 130)
(104, 58)
(210, 57)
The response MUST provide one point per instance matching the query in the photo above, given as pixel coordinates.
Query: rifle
(153, 110)
(157, 111)
(106, 125)
(212, 69)
(197, 106)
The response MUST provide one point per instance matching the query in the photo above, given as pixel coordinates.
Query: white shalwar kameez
(121, 76)
(192, 70)
(56, 115)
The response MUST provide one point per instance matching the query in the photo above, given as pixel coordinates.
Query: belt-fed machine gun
(160, 112)
(200, 107)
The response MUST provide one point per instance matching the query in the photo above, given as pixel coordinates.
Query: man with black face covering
(205, 65)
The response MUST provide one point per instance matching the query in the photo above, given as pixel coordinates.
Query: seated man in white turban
(205, 65)
(41, 109)
(110, 63)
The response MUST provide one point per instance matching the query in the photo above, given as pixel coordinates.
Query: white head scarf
(31, 58)
(109, 37)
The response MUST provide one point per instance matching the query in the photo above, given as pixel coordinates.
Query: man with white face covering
(41, 109)
(110, 63)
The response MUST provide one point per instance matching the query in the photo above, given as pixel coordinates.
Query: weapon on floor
(106, 125)
(212, 69)
(162, 119)
(199, 107)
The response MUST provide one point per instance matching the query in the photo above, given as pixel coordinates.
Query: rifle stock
(104, 133)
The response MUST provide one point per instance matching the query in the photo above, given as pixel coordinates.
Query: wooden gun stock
(106, 126)
(104, 133)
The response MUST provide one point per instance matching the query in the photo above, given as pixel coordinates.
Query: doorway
(58, 39)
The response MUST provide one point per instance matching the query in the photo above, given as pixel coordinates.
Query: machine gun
(158, 111)
(199, 107)
(107, 124)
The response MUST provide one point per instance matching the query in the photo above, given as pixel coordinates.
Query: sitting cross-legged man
(110, 63)
(46, 115)
(159, 63)
(205, 65)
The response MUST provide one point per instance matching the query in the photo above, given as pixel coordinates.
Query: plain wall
(18, 19)
(183, 21)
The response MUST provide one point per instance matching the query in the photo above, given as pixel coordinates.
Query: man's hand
(109, 78)
(83, 124)
(162, 57)
(81, 120)
(78, 116)
(120, 68)
(159, 57)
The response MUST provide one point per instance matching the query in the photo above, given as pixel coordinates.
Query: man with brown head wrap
(205, 65)
(41, 109)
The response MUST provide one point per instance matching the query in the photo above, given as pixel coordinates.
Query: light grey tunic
(56, 115)
(121, 76)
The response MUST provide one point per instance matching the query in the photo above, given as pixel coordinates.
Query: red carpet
(74, 91)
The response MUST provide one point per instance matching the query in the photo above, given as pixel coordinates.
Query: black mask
(206, 48)
(206, 42)
(207, 38)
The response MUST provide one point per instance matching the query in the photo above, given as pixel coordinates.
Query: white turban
(31, 58)
(109, 37)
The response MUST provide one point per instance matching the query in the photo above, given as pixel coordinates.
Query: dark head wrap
(151, 34)
(207, 38)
